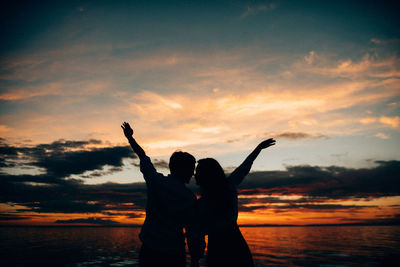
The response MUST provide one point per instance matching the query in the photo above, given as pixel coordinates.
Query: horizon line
(241, 225)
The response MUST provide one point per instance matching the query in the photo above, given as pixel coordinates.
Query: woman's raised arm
(240, 172)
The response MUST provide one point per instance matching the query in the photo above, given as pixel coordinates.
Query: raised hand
(240, 172)
(127, 129)
(135, 146)
(266, 143)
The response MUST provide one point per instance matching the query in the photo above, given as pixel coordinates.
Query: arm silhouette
(146, 167)
(240, 172)
(135, 146)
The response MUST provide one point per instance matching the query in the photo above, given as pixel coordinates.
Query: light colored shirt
(169, 208)
(228, 218)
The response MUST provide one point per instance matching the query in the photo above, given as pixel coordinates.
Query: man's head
(181, 165)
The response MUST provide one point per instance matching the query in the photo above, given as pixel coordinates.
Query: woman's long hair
(215, 187)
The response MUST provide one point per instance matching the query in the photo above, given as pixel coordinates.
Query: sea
(270, 246)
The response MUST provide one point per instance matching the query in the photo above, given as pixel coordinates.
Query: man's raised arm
(135, 146)
(146, 167)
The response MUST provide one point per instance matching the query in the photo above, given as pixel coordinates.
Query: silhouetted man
(170, 208)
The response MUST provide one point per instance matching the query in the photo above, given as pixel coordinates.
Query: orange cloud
(394, 122)
(366, 67)
(205, 98)
(382, 136)
(391, 121)
(368, 120)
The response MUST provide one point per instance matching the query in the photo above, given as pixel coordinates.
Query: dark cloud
(393, 219)
(297, 135)
(12, 217)
(318, 185)
(133, 215)
(62, 145)
(7, 154)
(246, 199)
(102, 172)
(332, 181)
(158, 164)
(305, 203)
(63, 206)
(64, 163)
(74, 197)
(48, 180)
(302, 207)
(281, 135)
(54, 192)
(251, 208)
(90, 220)
(63, 158)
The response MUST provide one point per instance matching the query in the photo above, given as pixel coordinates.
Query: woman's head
(214, 186)
(209, 173)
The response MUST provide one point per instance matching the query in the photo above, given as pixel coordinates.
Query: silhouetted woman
(218, 209)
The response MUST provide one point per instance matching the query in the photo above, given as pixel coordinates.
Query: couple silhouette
(173, 212)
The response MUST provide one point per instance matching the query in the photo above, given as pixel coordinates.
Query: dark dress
(226, 245)
(228, 248)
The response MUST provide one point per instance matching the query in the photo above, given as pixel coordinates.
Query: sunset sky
(213, 78)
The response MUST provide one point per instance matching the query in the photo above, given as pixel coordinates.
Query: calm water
(271, 246)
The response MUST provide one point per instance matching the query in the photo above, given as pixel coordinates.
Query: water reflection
(69, 246)
(271, 246)
(315, 246)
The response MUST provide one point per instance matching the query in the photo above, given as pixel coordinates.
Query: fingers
(127, 129)
(271, 142)
(125, 125)
(267, 143)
